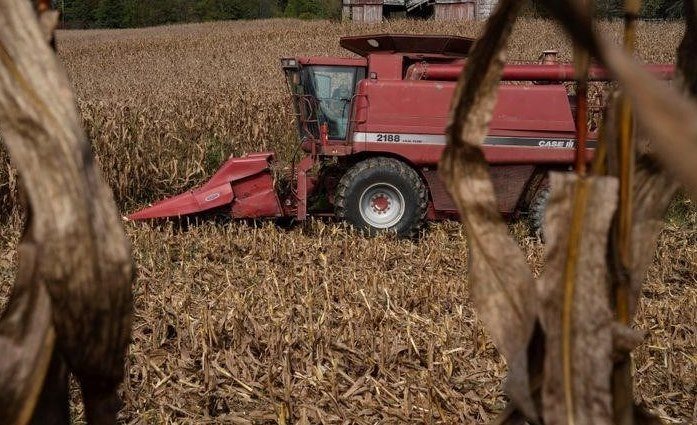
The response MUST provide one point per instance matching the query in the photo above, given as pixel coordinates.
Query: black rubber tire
(538, 207)
(390, 171)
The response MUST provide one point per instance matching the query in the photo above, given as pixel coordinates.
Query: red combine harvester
(373, 130)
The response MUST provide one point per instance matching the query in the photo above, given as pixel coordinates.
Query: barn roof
(445, 45)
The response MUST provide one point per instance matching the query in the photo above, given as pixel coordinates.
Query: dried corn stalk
(575, 308)
(71, 305)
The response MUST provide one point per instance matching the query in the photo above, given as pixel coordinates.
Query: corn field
(248, 323)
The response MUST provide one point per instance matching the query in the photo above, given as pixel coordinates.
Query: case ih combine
(373, 130)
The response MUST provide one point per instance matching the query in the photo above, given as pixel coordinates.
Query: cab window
(333, 87)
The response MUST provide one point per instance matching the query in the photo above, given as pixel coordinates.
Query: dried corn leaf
(26, 343)
(501, 279)
(654, 188)
(82, 255)
(590, 315)
(669, 118)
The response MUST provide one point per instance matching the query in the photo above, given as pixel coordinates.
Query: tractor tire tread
(405, 172)
(537, 211)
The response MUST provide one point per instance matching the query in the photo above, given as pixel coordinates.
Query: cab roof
(331, 61)
(427, 45)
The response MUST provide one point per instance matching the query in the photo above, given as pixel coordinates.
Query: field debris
(234, 321)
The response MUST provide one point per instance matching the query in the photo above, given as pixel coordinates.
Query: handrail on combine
(553, 72)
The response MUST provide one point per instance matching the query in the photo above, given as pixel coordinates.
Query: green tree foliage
(313, 9)
(663, 9)
(138, 13)
(80, 13)
(110, 14)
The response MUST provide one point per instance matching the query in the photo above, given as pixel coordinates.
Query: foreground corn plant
(567, 336)
(70, 310)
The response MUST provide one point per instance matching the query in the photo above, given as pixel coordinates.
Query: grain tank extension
(372, 129)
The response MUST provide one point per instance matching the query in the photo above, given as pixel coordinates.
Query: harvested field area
(314, 324)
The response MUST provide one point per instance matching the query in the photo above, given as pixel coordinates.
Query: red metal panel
(256, 197)
(509, 184)
(528, 155)
(536, 118)
(386, 66)
(240, 168)
(429, 155)
(442, 201)
(423, 107)
(305, 186)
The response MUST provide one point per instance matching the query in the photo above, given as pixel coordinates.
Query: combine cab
(373, 130)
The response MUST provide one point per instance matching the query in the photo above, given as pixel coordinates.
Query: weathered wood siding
(368, 14)
(346, 13)
(362, 11)
(454, 10)
(371, 11)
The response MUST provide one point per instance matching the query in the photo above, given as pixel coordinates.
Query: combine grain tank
(372, 129)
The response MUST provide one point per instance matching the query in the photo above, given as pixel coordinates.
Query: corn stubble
(245, 325)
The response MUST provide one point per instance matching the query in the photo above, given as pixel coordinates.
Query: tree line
(651, 9)
(138, 13)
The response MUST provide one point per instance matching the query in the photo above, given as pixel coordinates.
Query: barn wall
(461, 11)
(362, 11)
(372, 13)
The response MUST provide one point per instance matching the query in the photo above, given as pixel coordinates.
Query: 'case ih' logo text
(212, 197)
(556, 143)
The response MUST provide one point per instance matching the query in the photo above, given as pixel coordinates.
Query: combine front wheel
(382, 194)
